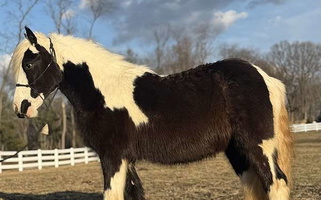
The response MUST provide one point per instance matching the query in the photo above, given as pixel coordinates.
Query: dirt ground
(209, 179)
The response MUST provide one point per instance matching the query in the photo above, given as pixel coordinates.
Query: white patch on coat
(112, 75)
(117, 184)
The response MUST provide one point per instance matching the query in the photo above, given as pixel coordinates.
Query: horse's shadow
(68, 195)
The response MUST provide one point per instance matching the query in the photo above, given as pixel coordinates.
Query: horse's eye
(29, 65)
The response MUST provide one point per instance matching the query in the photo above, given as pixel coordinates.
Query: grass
(209, 179)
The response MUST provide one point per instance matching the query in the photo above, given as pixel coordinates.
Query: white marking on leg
(117, 184)
(279, 190)
(268, 147)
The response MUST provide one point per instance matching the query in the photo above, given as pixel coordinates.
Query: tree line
(296, 64)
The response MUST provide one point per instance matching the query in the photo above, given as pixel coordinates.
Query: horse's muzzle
(25, 104)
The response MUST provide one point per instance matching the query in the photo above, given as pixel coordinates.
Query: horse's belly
(184, 148)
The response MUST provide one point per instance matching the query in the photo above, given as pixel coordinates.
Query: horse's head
(37, 74)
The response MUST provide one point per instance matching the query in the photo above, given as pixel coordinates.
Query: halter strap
(53, 60)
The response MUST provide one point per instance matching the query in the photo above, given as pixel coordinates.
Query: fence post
(86, 155)
(39, 155)
(0, 163)
(305, 127)
(20, 162)
(56, 158)
(72, 159)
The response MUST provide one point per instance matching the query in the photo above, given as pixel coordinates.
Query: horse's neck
(112, 76)
(78, 87)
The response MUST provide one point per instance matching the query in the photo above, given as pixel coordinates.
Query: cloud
(254, 3)
(276, 20)
(83, 4)
(134, 19)
(4, 61)
(140, 17)
(68, 14)
(223, 20)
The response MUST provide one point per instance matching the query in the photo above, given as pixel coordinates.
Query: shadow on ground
(52, 196)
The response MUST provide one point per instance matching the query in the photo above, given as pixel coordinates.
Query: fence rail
(58, 157)
(297, 128)
(45, 158)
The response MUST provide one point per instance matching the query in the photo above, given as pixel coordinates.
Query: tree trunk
(73, 128)
(64, 125)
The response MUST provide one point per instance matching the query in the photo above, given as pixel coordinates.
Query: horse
(127, 113)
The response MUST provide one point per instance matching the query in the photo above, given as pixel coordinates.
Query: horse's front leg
(114, 171)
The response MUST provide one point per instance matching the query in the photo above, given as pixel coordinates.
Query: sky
(249, 23)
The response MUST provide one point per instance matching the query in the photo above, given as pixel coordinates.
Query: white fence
(43, 158)
(296, 128)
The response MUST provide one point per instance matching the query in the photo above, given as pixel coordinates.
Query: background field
(209, 179)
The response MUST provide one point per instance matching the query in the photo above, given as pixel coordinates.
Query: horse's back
(195, 112)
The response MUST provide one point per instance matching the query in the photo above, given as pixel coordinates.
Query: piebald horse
(128, 112)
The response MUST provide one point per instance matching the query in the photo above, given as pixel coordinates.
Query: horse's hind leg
(258, 169)
(252, 186)
(134, 189)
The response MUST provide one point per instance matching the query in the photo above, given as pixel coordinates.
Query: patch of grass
(208, 179)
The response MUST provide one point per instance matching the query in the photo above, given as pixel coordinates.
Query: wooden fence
(45, 158)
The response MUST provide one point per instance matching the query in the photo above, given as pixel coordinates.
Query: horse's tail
(283, 134)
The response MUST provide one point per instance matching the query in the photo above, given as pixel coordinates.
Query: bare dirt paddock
(209, 179)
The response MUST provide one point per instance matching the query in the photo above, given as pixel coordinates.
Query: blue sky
(250, 23)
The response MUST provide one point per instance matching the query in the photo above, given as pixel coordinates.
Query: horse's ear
(30, 36)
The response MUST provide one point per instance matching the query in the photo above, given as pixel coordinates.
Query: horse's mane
(76, 50)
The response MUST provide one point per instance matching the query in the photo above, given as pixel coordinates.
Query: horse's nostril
(20, 115)
(25, 104)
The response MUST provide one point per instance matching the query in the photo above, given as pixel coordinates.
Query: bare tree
(299, 65)
(203, 42)
(24, 8)
(64, 124)
(62, 15)
(177, 49)
(161, 36)
(73, 127)
(98, 8)
(251, 55)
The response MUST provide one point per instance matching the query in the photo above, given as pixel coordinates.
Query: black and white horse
(127, 113)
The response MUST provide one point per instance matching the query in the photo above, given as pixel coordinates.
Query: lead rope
(48, 106)
(4, 159)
